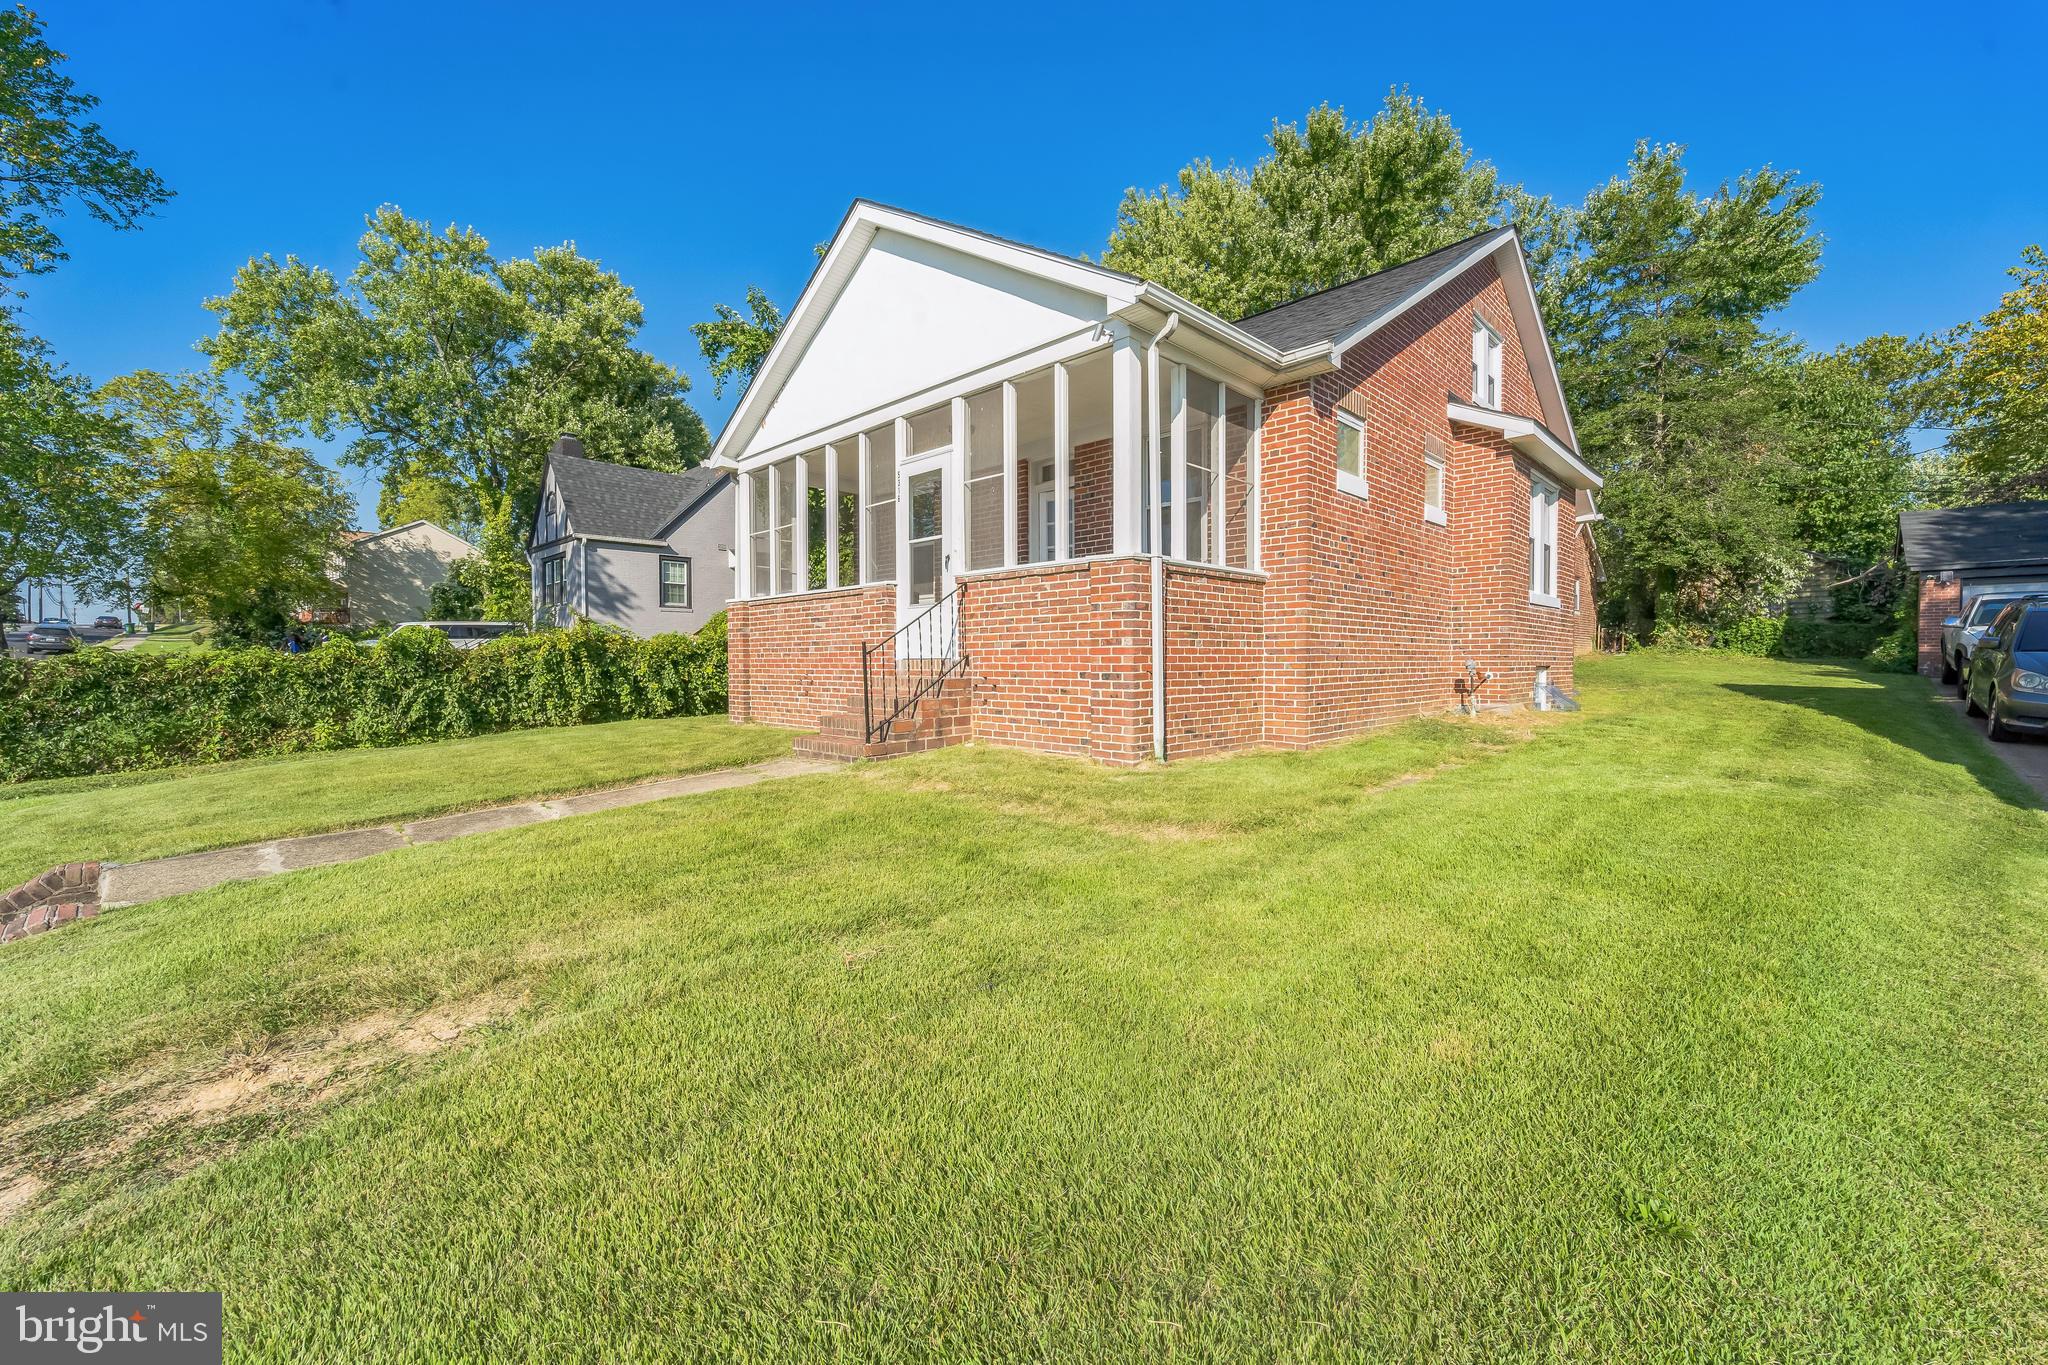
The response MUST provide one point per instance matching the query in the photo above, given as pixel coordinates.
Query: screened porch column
(743, 521)
(800, 529)
(1062, 465)
(831, 517)
(1127, 436)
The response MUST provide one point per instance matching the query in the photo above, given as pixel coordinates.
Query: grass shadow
(1900, 708)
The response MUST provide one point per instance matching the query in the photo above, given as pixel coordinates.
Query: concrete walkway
(135, 883)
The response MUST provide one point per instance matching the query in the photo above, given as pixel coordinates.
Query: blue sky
(694, 153)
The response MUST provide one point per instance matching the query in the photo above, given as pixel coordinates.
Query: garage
(1961, 554)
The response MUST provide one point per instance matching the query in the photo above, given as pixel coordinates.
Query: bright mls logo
(166, 1329)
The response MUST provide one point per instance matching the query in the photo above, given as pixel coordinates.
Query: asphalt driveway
(2027, 757)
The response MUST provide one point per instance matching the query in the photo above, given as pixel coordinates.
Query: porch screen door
(924, 497)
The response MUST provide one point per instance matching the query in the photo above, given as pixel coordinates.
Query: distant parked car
(52, 637)
(469, 634)
(2008, 677)
(1960, 634)
(106, 623)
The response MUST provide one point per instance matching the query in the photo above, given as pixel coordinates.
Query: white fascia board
(1267, 364)
(1527, 435)
(1535, 338)
(1485, 247)
(862, 223)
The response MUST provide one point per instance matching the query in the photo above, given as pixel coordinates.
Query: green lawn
(127, 817)
(1707, 1024)
(170, 639)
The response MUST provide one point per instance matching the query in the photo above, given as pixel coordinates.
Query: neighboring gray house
(641, 549)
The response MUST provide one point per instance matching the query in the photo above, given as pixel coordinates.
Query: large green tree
(66, 484)
(734, 343)
(443, 364)
(1658, 308)
(236, 525)
(52, 157)
(1329, 202)
(1995, 394)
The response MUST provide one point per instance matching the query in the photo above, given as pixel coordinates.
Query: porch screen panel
(814, 519)
(880, 539)
(1237, 479)
(1204, 401)
(931, 429)
(985, 480)
(759, 534)
(785, 526)
(1035, 521)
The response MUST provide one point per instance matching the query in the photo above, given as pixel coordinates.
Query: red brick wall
(1215, 660)
(1371, 610)
(1938, 602)
(796, 660)
(1060, 656)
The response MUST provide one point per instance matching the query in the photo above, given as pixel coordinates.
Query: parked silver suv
(1960, 636)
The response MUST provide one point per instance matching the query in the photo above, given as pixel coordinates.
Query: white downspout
(1152, 530)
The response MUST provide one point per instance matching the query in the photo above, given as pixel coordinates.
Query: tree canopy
(1994, 393)
(1329, 202)
(235, 525)
(52, 157)
(443, 364)
(735, 344)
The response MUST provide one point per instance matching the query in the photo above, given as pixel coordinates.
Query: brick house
(990, 492)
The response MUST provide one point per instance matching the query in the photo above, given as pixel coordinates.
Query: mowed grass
(132, 816)
(171, 639)
(1707, 1024)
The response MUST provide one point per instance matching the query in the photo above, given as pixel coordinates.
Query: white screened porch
(1109, 443)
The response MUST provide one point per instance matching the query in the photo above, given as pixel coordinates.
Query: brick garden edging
(56, 897)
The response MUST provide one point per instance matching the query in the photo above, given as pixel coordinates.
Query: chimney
(568, 443)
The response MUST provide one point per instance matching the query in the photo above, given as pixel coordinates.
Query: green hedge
(100, 711)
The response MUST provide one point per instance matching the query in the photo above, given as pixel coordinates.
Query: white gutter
(1152, 529)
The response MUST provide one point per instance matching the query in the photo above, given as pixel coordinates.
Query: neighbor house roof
(1336, 312)
(1992, 536)
(623, 502)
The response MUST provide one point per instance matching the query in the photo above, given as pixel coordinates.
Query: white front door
(925, 538)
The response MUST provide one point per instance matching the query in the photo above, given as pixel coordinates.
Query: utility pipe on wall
(1152, 530)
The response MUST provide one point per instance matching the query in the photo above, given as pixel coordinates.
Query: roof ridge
(1376, 274)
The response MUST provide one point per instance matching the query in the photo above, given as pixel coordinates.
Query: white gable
(914, 314)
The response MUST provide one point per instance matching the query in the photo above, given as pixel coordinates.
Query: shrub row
(1879, 645)
(99, 710)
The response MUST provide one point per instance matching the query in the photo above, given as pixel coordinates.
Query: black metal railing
(899, 672)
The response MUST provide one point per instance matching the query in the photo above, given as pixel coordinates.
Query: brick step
(936, 721)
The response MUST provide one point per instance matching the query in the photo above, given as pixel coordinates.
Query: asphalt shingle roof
(617, 501)
(1999, 533)
(1339, 310)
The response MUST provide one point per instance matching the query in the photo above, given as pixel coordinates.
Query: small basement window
(1351, 454)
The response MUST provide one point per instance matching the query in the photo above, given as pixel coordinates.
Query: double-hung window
(1485, 364)
(675, 581)
(1351, 453)
(1542, 543)
(551, 580)
(1433, 474)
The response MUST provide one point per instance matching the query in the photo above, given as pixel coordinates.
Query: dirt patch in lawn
(168, 1117)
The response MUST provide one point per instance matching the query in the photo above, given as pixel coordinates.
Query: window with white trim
(1433, 475)
(1542, 543)
(553, 577)
(1351, 453)
(1485, 364)
(675, 581)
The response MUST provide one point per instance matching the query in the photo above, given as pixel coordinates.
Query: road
(17, 638)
